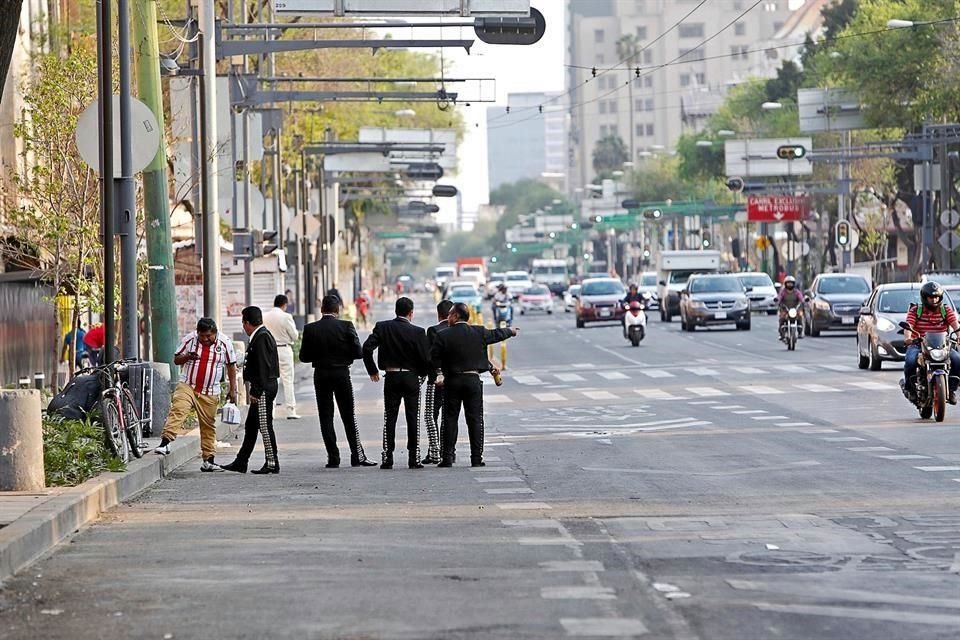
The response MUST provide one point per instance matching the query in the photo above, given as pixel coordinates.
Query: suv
(599, 301)
(833, 302)
(714, 299)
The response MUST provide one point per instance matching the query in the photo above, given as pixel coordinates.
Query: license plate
(720, 315)
(604, 313)
(847, 320)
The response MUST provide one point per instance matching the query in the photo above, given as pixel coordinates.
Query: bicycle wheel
(132, 422)
(113, 425)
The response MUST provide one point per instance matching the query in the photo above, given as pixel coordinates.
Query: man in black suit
(332, 345)
(433, 397)
(460, 353)
(261, 369)
(404, 356)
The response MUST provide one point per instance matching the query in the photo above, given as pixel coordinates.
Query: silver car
(761, 291)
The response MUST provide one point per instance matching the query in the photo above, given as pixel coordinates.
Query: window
(744, 52)
(612, 106)
(702, 79)
(648, 104)
(638, 105)
(648, 81)
(639, 131)
(614, 130)
(648, 57)
(598, 35)
(740, 29)
(692, 55)
(734, 52)
(684, 79)
(649, 129)
(737, 5)
(777, 26)
(642, 32)
(691, 30)
(602, 106)
(603, 131)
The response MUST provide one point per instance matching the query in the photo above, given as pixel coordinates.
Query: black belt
(283, 345)
(463, 373)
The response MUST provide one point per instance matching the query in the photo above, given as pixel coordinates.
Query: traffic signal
(736, 184)
(652, 214)
(705, 239)
(630, 203)
(242, 245)
(264, 242)
(842, 234)
(509, 30)
(791, 152)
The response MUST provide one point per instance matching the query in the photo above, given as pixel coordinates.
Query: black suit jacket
(463, 347)
(261, 367)
(400, 344)
(432, 331)
(330, 342)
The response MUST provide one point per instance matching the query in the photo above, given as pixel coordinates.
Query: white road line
(747, 412)
(704, 372)
(572, 565)
(954, 468)
(749, 370)
(656, 394)
(578, 592)
(548, 397)
(603, 627)
(707, 392)
(856, 613)
(656, 373)
(871, 385)
(817, 388)
(794, 424)
(498, 444)
(599, 395)
(762, 391)
(837, 367)
(502, 491)
(569, 377)
(492, 399)
(843, 439)
(768, 417)
(491, 458)
(584, 365)
(729, 406)
(791, 368)
(700, 403)
(487, 479)
(612, 375)
(868, 449)
(534, 380)
(523, 506)
(905, 456)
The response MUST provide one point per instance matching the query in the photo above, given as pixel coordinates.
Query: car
(599, 301)
(516, 282)
(833, 302)
(536, 298)
(647, 285)
(761, 291)
(467, 293)
(709, 300)
(949, 280)
(496, 279)
(879, 336)
(570, 298)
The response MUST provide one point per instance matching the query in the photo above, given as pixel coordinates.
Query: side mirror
(777, 286)
(866, 311)
(684, 292)
(748, 289)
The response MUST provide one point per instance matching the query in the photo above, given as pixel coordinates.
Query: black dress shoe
(413, 464)
(265, 470)
(478, 463)
(235, 466)
(362, 463)
(386, 465)
(332, 465)
(445, 463)
(429, 460)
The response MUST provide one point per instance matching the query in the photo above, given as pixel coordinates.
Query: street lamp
(704, 143)
(771, 106)
(900, 24)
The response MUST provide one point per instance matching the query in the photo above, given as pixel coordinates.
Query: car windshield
(517, 277)
(648, 280)
(899, 300)
(716, 285)
(444, 272)
(843, 284)
(536, 291)
(680, 277)
(759, 280)
(498, 276)
(470, 268)
(463, 292)
(603, 288)
(574, 290)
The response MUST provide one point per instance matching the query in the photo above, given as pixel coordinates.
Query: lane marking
(491, 459)
(791, 368)
(577, 592)
(492, 399)
(817, 388)
(523, 506)
(532, 380)
(837, 367)
(550, 542)
(768, 417)
(487, 479)
(871, 385)
(796, 424)
(844, 439)
(502, 491)
(612, 375)
(701, 403)
(729, 406)
(656, 394)
(572, 565)
(868, 449)
(656, 373)
(953, 468)
(762, 391)
(905, 456)
(603, 627)
(907, 617)
(569, 377)
(549, 397)
(600, 395)
(707, 392)
(499, 444)
(746, 412)
(704, 372)
(749, 370)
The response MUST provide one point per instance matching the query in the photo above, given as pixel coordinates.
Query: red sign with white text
(777, 208)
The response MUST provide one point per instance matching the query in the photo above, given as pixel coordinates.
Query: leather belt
(389, 370)
(464, 373)
(283, 345)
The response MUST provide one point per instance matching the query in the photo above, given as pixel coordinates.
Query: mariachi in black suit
(403, 353)
(331, 345)
(433, 403)
(460, 352)
(261, 369)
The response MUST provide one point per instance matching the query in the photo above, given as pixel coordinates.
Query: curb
(41, 529)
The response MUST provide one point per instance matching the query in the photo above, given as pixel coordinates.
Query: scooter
(635, 323)
(791, 329)
(931, 385)
(502, 314)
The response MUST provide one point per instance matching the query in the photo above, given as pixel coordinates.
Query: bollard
(21, 441)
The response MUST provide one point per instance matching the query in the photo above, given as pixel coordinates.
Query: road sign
(950, 218)
(829, 110)
(777, 208)
(949, 240)
(145, 133)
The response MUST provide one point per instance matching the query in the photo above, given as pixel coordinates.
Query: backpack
(78, 398)
(918, 309)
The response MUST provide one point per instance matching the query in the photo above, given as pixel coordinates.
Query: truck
(473, 269)
(673, 270)
(552, 273)
(444, 273)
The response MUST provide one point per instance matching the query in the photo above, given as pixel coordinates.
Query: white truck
(552, 273)
(443, 273)
(673, 270)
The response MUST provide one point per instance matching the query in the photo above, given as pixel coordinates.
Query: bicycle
(121, 423)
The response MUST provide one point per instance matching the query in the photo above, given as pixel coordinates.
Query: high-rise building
(534, 148)
(666, 86)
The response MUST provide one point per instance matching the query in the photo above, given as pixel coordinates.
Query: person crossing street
(331, 345)
(433, 396)
(459, 353)
(282, 327)
(403, 354)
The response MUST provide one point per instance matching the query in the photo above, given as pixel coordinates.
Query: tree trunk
(9, 26)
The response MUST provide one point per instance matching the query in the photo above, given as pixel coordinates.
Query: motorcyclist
(791, 297)
(502, 297)
(931, 315)
(633, 295)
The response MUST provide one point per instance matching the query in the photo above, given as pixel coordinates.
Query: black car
(879, 336)
(714, 299)
(833, 302)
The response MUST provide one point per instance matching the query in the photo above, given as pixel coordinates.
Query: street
(707, 485)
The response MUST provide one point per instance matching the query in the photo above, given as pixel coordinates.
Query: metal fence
(26, 331)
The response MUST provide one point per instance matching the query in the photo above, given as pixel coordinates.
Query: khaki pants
(285, 358)
(184, 400)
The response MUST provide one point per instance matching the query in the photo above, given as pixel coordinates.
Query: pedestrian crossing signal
(264, 242)
(791, 152)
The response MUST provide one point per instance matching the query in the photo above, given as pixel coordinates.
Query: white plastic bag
(230, 413)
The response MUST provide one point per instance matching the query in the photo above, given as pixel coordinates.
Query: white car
(496, 279)
(516, 282)
(570, 298)
(536, 298)
(761, 291)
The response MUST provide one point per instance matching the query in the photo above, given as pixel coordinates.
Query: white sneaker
(210, 466)
(293, 415)
(162, 451)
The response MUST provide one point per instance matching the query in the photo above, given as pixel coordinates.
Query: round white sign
(145, 136)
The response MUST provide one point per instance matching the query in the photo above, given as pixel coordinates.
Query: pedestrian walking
(282, 327)
(363, 307)
(459, 353)
(204, 356)
(404, 356)
(433, 396)
(81, 347)
(261, 368)
(95, 339)
(331, 345)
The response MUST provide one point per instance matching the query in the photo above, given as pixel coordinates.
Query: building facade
(519, 148)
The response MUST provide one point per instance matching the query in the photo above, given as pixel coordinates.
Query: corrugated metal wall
(26, 331)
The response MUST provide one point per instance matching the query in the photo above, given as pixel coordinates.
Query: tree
(609, 155)
(9, 26)
(784, 86)
(57, 224)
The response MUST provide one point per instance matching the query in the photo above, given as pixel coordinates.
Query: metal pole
(324, 227)
(927, 204)
(127, 227)
(208, 144)
(945, 198)
(247, 264)
(105, 66)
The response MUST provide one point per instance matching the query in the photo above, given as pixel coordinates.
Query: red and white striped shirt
(205, 374)
(930, 320)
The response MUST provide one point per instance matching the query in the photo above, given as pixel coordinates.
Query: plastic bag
(230, 413)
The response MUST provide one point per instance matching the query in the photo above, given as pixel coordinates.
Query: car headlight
(938, 354)
(823, 305)
(741, 303)
(698, 304)
(586, 305)
(885, 325)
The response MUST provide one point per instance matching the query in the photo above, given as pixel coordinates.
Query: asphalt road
(708, 485)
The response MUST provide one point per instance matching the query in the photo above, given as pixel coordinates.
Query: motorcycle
(634, 323)
(502, 314)
(931, 385)
(791, 329)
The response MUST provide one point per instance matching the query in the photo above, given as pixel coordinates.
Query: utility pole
(208, 146)
(163, 318)
(126, 196)
(107, 217)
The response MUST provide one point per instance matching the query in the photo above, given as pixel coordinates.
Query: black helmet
(931, 294)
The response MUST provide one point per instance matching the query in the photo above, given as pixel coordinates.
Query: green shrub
(75, 451)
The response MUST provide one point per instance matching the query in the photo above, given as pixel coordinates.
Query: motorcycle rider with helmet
(633, 295)
(502, 297)
(930, 316)
(791, 297)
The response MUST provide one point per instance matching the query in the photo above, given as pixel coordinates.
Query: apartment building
(528, 148)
